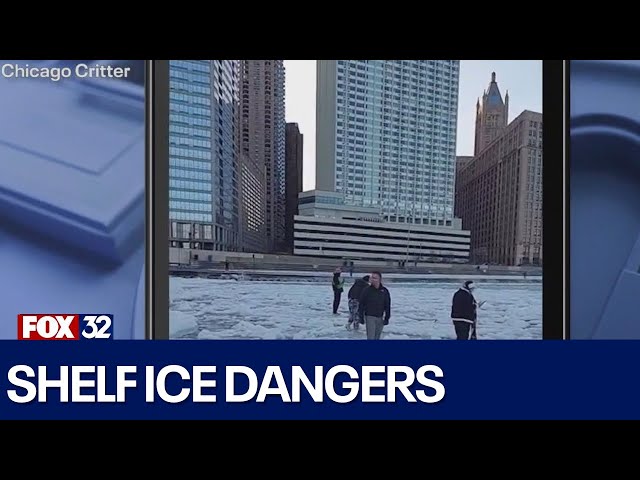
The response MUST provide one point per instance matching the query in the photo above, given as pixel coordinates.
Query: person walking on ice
(354, 300)
(374, 308)
(464, 312)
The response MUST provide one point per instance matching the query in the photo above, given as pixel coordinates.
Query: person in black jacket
(354, 299)
(375, 307)
(464, 312)
(337, 284)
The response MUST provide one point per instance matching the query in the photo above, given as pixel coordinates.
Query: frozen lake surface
(297, 310)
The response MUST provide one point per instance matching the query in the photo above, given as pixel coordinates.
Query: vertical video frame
(355, 199)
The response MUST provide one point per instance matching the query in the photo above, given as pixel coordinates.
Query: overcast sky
(522, 78)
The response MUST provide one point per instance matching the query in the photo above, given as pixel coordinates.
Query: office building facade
(386, 136)
(499, 195)
(262, 138)
(293, 184)
(203, 160)
(252, 204)
(326, 227)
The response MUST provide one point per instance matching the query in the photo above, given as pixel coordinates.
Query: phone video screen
(72, 195)
(355, 199)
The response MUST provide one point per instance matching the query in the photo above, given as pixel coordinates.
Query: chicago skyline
(523, 79)
(385, 143)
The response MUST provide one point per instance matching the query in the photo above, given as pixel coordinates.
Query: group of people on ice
(370, 305)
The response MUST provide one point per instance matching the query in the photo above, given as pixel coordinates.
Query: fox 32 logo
(57, 326)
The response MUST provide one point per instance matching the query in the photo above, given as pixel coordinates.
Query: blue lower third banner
(320, 380)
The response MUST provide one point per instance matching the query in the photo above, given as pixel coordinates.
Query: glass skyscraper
(203, 163)
(386, 136)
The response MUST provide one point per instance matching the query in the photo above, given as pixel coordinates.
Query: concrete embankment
(287, 275)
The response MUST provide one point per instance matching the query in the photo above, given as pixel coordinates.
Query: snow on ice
(296, 310)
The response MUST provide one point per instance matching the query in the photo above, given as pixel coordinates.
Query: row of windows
(380, 175)
(394, 75)
(193, 131)
(392, 143)
(403, 128)
(192, 164)
(407, 205)
(434, 181)
(435, 202)
(418, 183)
(190, 110)
(190, 153)
(397, 80)
(380, 135)
(190, 120)
(385, 97)
(203, 66)
(191, 217)
(183, 195)
(422, 221)
(419, 174)
(188, 141)
(413, 166)
(408, 79)
(189, 98)
(187, 174)
(364, 151)
(364, 191)
(379, 125)
(190, 206)
(419, 192)
(431, 209)
(398, 64)
(391, 69)
(362, 110)
(188, 87)
(192, 77)
(322, 200)
(391, 149)
(189, 185)
(424, 111)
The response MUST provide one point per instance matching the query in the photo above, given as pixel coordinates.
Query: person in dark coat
(337, 284)
(464, 312)
(374, 309)
(354, 299)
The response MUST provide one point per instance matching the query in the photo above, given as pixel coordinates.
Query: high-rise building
(252, 204)
(203, 160)
(262, 137)
(499, 195)
(294, 156)
(386, 136)
(492, 116)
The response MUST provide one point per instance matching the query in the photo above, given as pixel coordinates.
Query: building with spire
(499, 189)
(492, 115)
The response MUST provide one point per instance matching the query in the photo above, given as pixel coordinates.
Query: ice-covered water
(229, 309)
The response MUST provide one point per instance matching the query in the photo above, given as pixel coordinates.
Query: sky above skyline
(522, 78)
